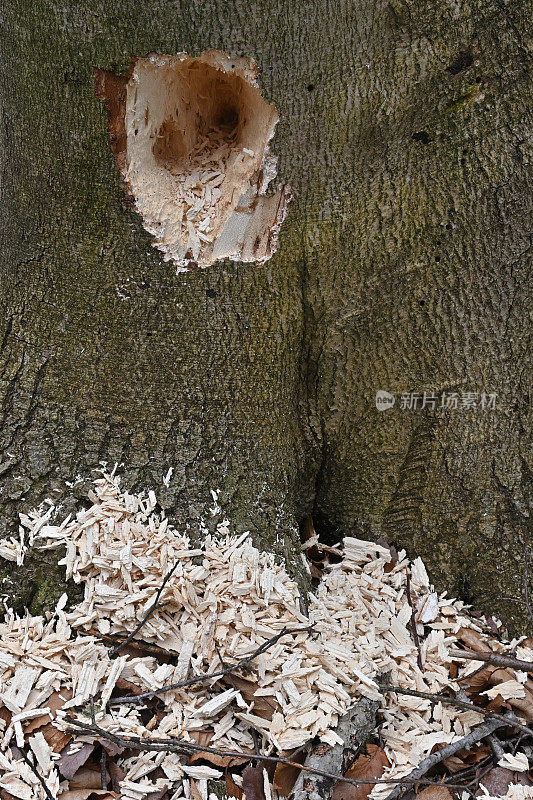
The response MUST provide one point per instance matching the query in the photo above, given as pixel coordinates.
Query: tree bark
(403, 266)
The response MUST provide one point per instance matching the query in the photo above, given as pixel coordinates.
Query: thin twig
(103, 768)
(255, 737)
(38, 775)
(519, 741)
(465, 743)
(208, 676)
(148, 614)
(496, 747)
(508, 719)
(225, 664)
(494, 658)
(412, 621)
(175, 745)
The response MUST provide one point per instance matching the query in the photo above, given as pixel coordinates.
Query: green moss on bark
(38, 584)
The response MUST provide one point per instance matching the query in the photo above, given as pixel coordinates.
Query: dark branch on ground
(238, 665)
(494, 658)
(507, 719)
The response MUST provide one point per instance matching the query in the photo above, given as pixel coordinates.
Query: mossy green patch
(472, 94)
(38, 584)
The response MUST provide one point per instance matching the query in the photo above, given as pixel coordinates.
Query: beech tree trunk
(403, 266)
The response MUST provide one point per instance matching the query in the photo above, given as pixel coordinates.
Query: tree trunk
(403, 267)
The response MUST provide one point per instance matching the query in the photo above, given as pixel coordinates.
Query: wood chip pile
(219, 603)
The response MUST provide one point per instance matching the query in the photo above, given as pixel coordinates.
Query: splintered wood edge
(201, 190)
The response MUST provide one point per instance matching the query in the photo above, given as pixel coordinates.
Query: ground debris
(264, 683)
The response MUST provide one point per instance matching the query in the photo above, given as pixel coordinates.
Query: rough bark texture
(354, 729)
(403, 266)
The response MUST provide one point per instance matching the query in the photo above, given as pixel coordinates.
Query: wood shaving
(518, 763)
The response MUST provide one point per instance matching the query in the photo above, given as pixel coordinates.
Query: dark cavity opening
(228, 120)
(421, 136)
(463, 60)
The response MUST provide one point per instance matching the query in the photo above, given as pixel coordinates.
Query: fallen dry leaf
(286, 775)
(88, 777)
(365, 768)
(497, 781)
(232, 790)
(436, 793)
(498, 704)
(5, 717)
(253, 783)
(217, 760)
(195, 792)
(56, 739)
(54, 703)
(454, 764)
(69, 763)
(111, 748)
(201, 737)
(478, 680)
(117, 775)
(466, 758)
(473, 640)
(128, 686)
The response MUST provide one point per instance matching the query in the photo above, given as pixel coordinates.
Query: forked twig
(476, 735)
(148, 614)
(464, 705)
(238, 665)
